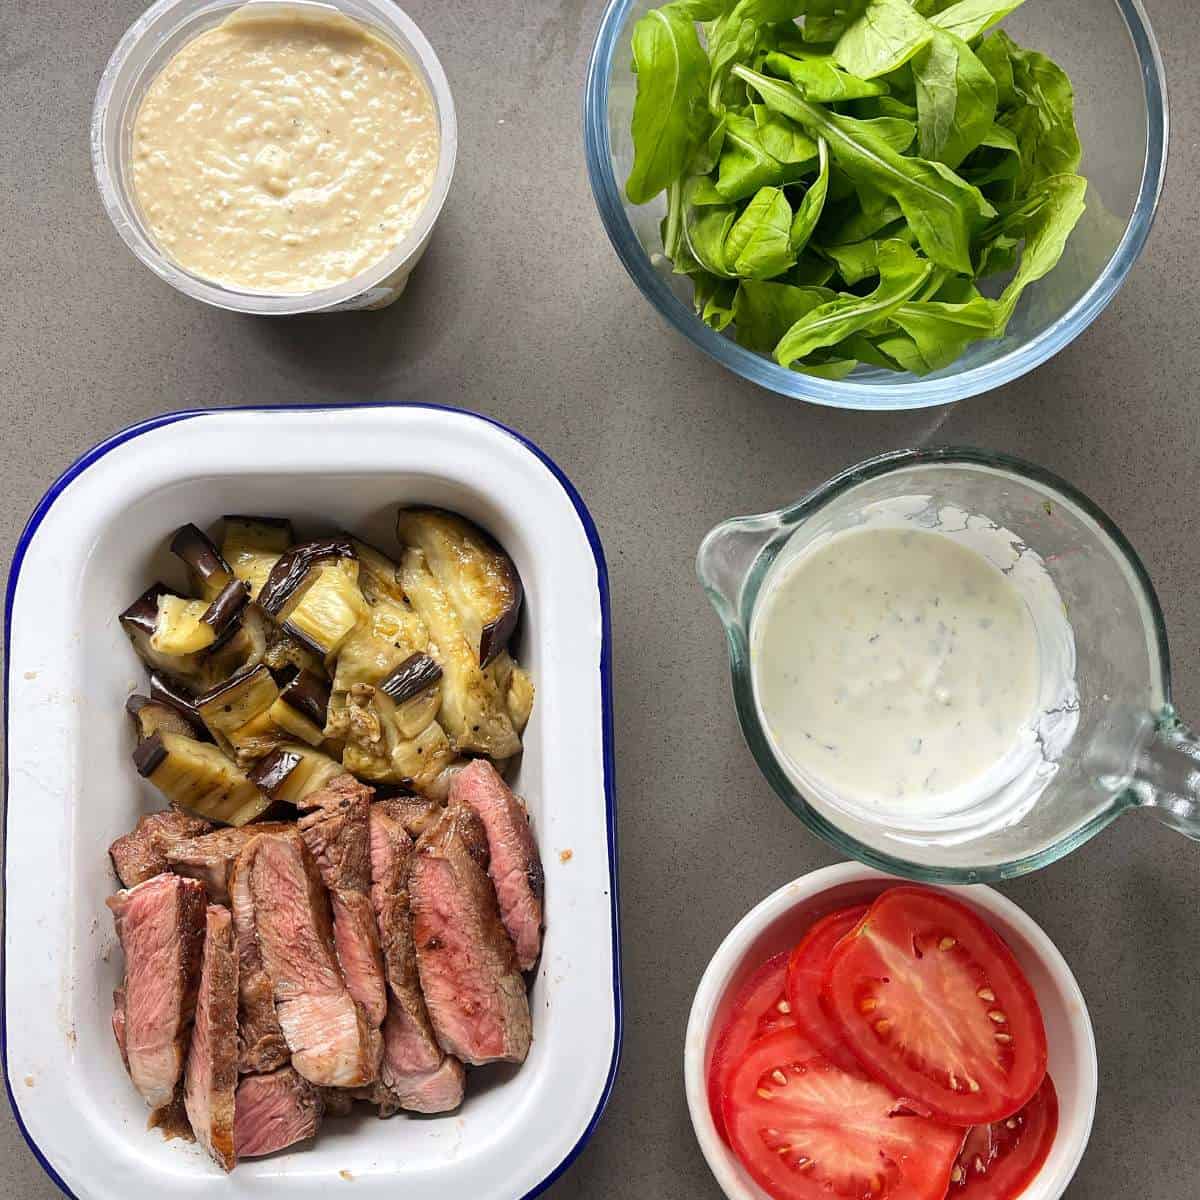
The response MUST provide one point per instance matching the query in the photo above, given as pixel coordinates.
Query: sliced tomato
(805, 975)
(998, 1162)
(807, 1130)
(933, 1003)
(760, 1008)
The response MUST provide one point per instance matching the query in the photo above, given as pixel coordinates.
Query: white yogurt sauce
(895, 665)
(284, 151)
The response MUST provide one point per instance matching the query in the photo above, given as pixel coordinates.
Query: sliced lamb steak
(415, 813)
(161, 927)
(416, 1074)
(210, 857)
(331, 1041)
(514, 864)
(438, 1091)
(275, 1111)
(118, 1022)
(211, 1077)
(261, 1044)
(336, 834)
(416, 1088)
(142, 853)
(469, 973)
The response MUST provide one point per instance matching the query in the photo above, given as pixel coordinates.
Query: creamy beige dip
(284, 151)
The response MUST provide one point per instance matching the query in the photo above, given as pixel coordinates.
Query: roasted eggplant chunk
(151, 717)
(208, 572)
(329, 607)
(472, 711)
(292, 773)
(385, 741)
(180, 628)
(226, 607)
(175, 694)
(416, 674)
(303, 706)
(377, 749)
(245, 646)
(253, 545)
(229, 706)
(477, 576)
(294, 571)
(282, 652)
(378, 575)
(197, 777)
(516, 688)
(140, 621)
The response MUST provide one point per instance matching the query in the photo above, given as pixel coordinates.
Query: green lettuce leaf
(942, 209)
(956, 99)
(1046, 233)
(901, 275)
(758, 246)
(884, 37)
(821, 80)
(763, 312)
(670, 114)
(969, 18)
(808, 213)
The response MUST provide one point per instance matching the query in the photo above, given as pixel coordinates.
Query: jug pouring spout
(726, 559)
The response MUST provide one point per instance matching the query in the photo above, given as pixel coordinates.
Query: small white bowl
(780, 920)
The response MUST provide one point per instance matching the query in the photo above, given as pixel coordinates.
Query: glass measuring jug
(1106, 737)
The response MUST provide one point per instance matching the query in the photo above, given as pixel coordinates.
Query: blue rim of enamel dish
(96, 453)
(864, 394)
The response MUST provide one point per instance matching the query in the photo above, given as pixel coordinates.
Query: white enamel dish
(778, 922)
(95, 541)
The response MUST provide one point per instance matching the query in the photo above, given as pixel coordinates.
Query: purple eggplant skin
(416, 673)
(150, 715)
(208, 570)
(149, 755)
(233, 683)
(166, 690)
(307, 693)
(496, 635)
(227, 607)
(142, 614)
(293, 567)
(269, 775)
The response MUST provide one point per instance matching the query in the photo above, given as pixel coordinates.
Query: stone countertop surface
(522, 311)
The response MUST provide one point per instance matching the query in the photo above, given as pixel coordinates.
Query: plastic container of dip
(142, 53)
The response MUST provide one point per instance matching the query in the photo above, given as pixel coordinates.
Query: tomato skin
(828, 1134)
(1015, 1150)
(805, 976)
(755, 1013)
(921, 964)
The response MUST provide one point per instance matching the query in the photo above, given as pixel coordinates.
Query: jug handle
(1167, 779)
(726, 557)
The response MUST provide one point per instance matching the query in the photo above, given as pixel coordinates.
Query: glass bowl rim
(735, 623)
(916, 393)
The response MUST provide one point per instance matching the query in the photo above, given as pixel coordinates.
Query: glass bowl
(1108, 49)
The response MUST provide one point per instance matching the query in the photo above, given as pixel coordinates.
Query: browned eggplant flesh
(293, 660)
